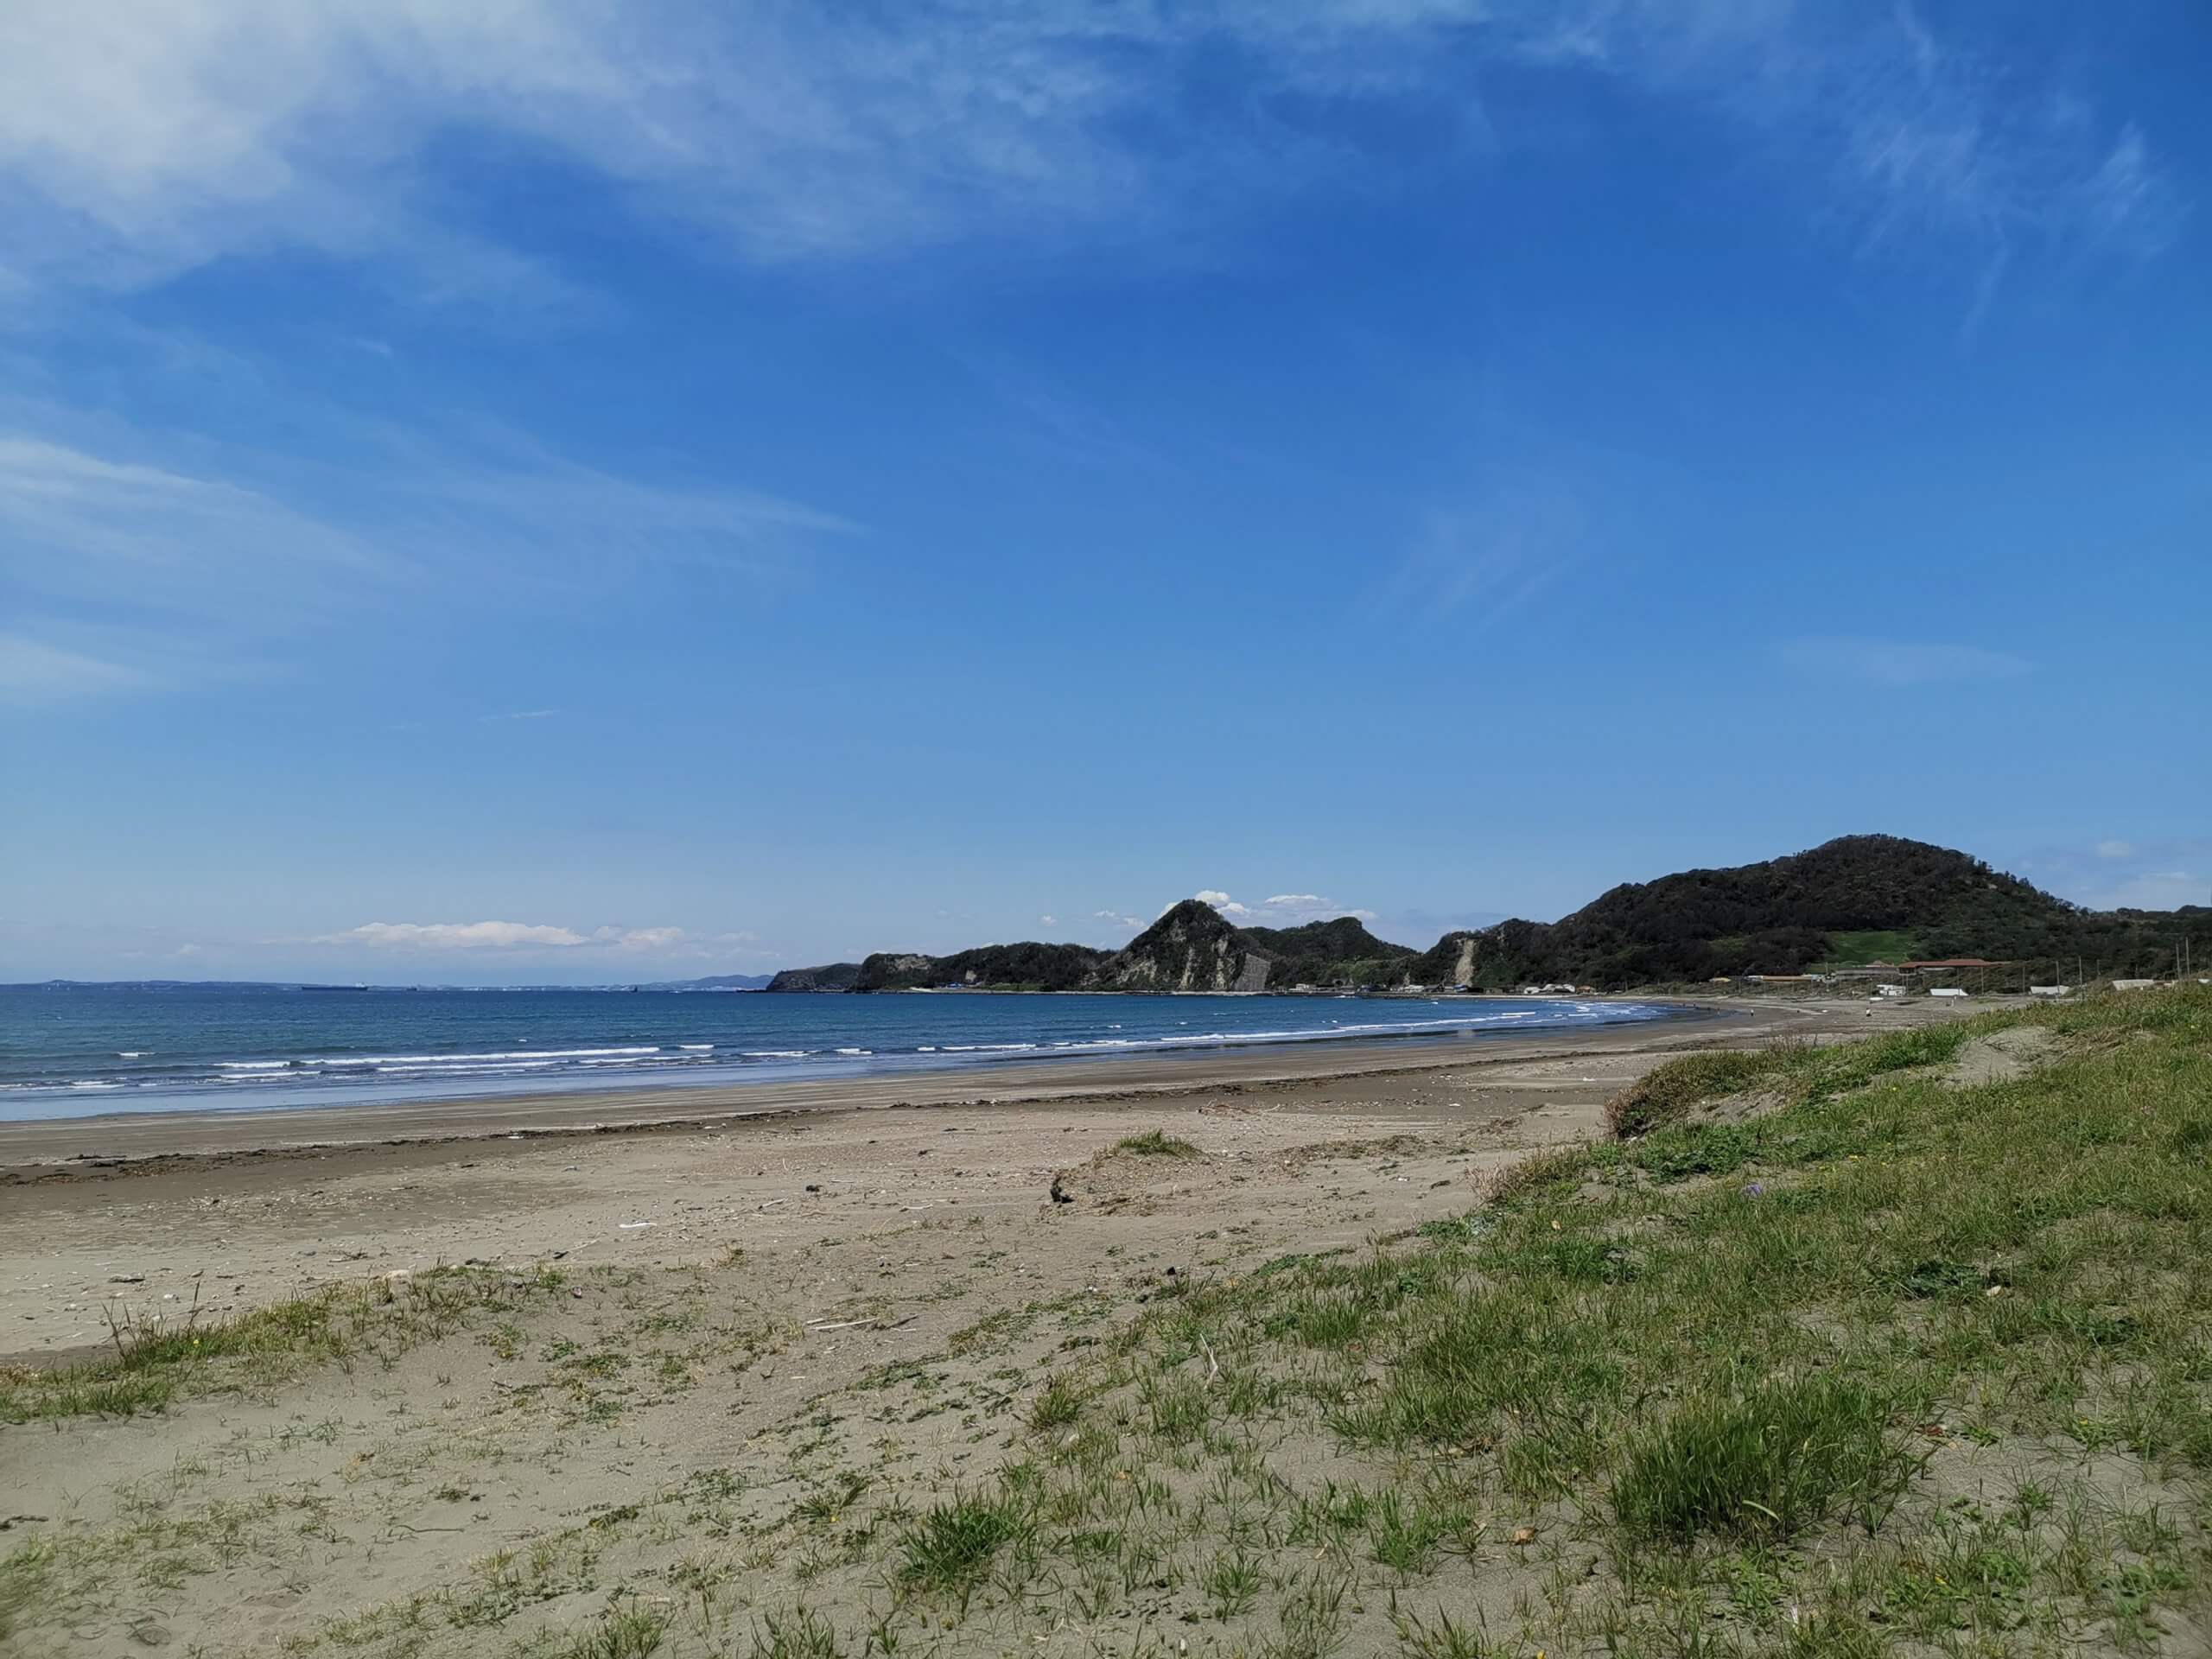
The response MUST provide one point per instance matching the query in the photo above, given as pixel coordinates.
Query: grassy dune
(1893, 1365)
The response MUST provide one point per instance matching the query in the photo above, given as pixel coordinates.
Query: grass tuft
(1669, 1092)
(953, 1544)
(1059, 1403)
(1157, 1143)
(1767, 1462)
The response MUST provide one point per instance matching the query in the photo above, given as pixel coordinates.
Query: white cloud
(138, 139)
(2115, 849)
(1048, 921)
(1900, 663)
(454, 936)
(638, 938)
(499, 936)
(1283, 910)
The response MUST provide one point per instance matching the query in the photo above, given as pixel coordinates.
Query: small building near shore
(1947, 990)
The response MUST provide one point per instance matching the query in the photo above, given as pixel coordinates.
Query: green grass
(1668, 1092)
(803, 1634)
(625, 1633)
(953, 1543)
(1059, 1403)
(1769, 1461)
(22, 1581)
(1671, 1092)
(1156, 1143)
(1712, 1338)
(1871, 944)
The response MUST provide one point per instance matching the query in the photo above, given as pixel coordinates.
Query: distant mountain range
(1856, 899)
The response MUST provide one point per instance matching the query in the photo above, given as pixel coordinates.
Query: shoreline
(45, 1149)
(189, 1083)
(226, 1214)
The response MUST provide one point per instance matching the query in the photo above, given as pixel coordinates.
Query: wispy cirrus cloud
(132, 147)
(137, 562)
(1901, 663)
(35, 671)
(1486, 558)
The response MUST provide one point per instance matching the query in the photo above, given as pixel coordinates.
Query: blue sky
(549, 491)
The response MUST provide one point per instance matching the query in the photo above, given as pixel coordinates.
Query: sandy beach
(729, 1269)
(240, 1208)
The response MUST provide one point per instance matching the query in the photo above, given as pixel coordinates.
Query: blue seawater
(83, 1051)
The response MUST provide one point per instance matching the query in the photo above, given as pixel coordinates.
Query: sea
(81, 1051)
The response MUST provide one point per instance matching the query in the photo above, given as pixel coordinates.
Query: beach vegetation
(155, 1359)
(1156, 1143)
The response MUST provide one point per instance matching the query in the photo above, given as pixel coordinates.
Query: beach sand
(242, 1208)
(738, 1260)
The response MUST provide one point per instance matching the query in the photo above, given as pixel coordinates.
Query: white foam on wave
(443, 1070)
(775, 1053)
(857, 1051)
(696, 1048)
(441, 1059)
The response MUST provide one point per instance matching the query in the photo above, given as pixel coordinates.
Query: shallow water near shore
(82, 1052)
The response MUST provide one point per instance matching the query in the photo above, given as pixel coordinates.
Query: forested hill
(1027, 967)
(1338, 952)
(1192, 947)
(1850, 898)
(1854, 898)
(830, 976)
